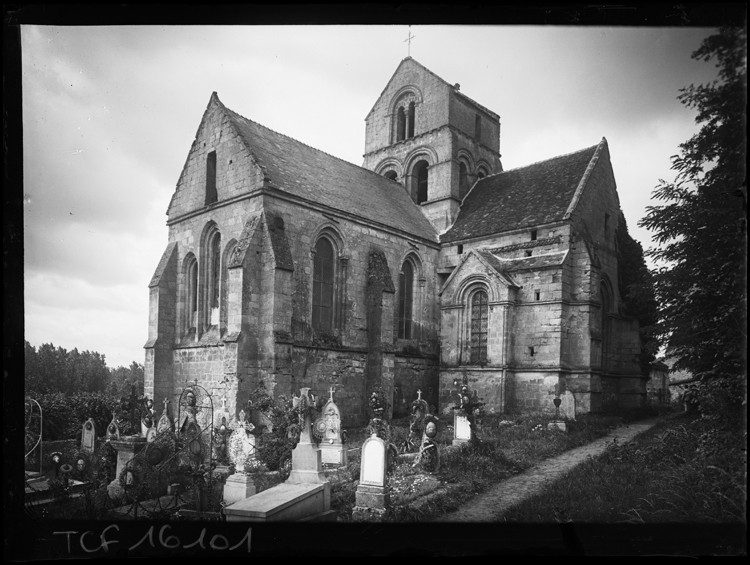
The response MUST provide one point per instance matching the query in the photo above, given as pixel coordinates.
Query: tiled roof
(298, 169)
(528, 196)
(521, 263)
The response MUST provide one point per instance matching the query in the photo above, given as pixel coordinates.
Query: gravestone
(461, 429)
(327, 429)
(372, 498)
(88, 436)
(557, 423)
(240, 450)
(568, 406)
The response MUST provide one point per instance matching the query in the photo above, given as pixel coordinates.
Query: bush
(722, 398)
(273, 448)
(63, 415)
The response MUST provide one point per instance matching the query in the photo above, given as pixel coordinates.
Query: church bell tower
(432, 140)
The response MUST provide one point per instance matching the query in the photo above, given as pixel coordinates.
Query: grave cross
(419, 394)
(133, 402)
(331, 391)
(408, 40)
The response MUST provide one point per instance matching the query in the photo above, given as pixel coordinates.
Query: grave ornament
(419, 410)
(465, 413)
(428, 458)
(327, 429)
(221, 435)
(378, 408)
(113, 431)
(240, 445)
(164, 424)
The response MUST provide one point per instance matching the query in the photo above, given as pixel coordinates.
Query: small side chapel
(287, 267)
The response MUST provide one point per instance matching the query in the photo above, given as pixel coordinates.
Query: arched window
(211, 278)
(606, 299)
(323, 285)
(420, 182)
(401, 125)
(215, 270)
(391, 175)
(224, 292)
(403, 114)
(211, 195)
(405, 300)
(478, 329)
(191, 293)
(463, 179)
(410, 121)
(481, 173)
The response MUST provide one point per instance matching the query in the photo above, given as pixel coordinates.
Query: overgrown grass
(682, 470)
(509, 445)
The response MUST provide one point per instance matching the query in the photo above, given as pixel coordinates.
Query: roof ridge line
(360, 167)
(585, 178)
(302, 143)
(545, 160)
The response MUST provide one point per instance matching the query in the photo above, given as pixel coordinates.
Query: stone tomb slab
(287, 502)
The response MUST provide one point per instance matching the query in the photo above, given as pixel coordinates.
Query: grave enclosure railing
(29, 431)
(174, 456)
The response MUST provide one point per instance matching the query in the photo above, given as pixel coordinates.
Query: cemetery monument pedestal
(238, 486)
(127, 447)
(557, 426)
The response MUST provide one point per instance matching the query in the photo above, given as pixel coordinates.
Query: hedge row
(63, 415)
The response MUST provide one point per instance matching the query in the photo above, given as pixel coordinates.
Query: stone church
(287, 267)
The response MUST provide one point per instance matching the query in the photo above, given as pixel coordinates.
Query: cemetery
(289, 459)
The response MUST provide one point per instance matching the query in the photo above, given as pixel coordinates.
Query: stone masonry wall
(491, 386)
(414, 373)
(355, 243)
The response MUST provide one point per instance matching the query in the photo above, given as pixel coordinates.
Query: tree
(701, 228)
(52, 369)
(636, 285)
(122, 378)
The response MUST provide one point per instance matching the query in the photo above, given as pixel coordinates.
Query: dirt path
(490, 505)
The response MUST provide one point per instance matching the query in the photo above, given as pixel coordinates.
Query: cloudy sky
(109, 114)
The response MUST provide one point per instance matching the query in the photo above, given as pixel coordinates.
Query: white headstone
(373, 462)
(462, 427)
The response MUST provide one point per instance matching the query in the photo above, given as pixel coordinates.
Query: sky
(110, 113)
